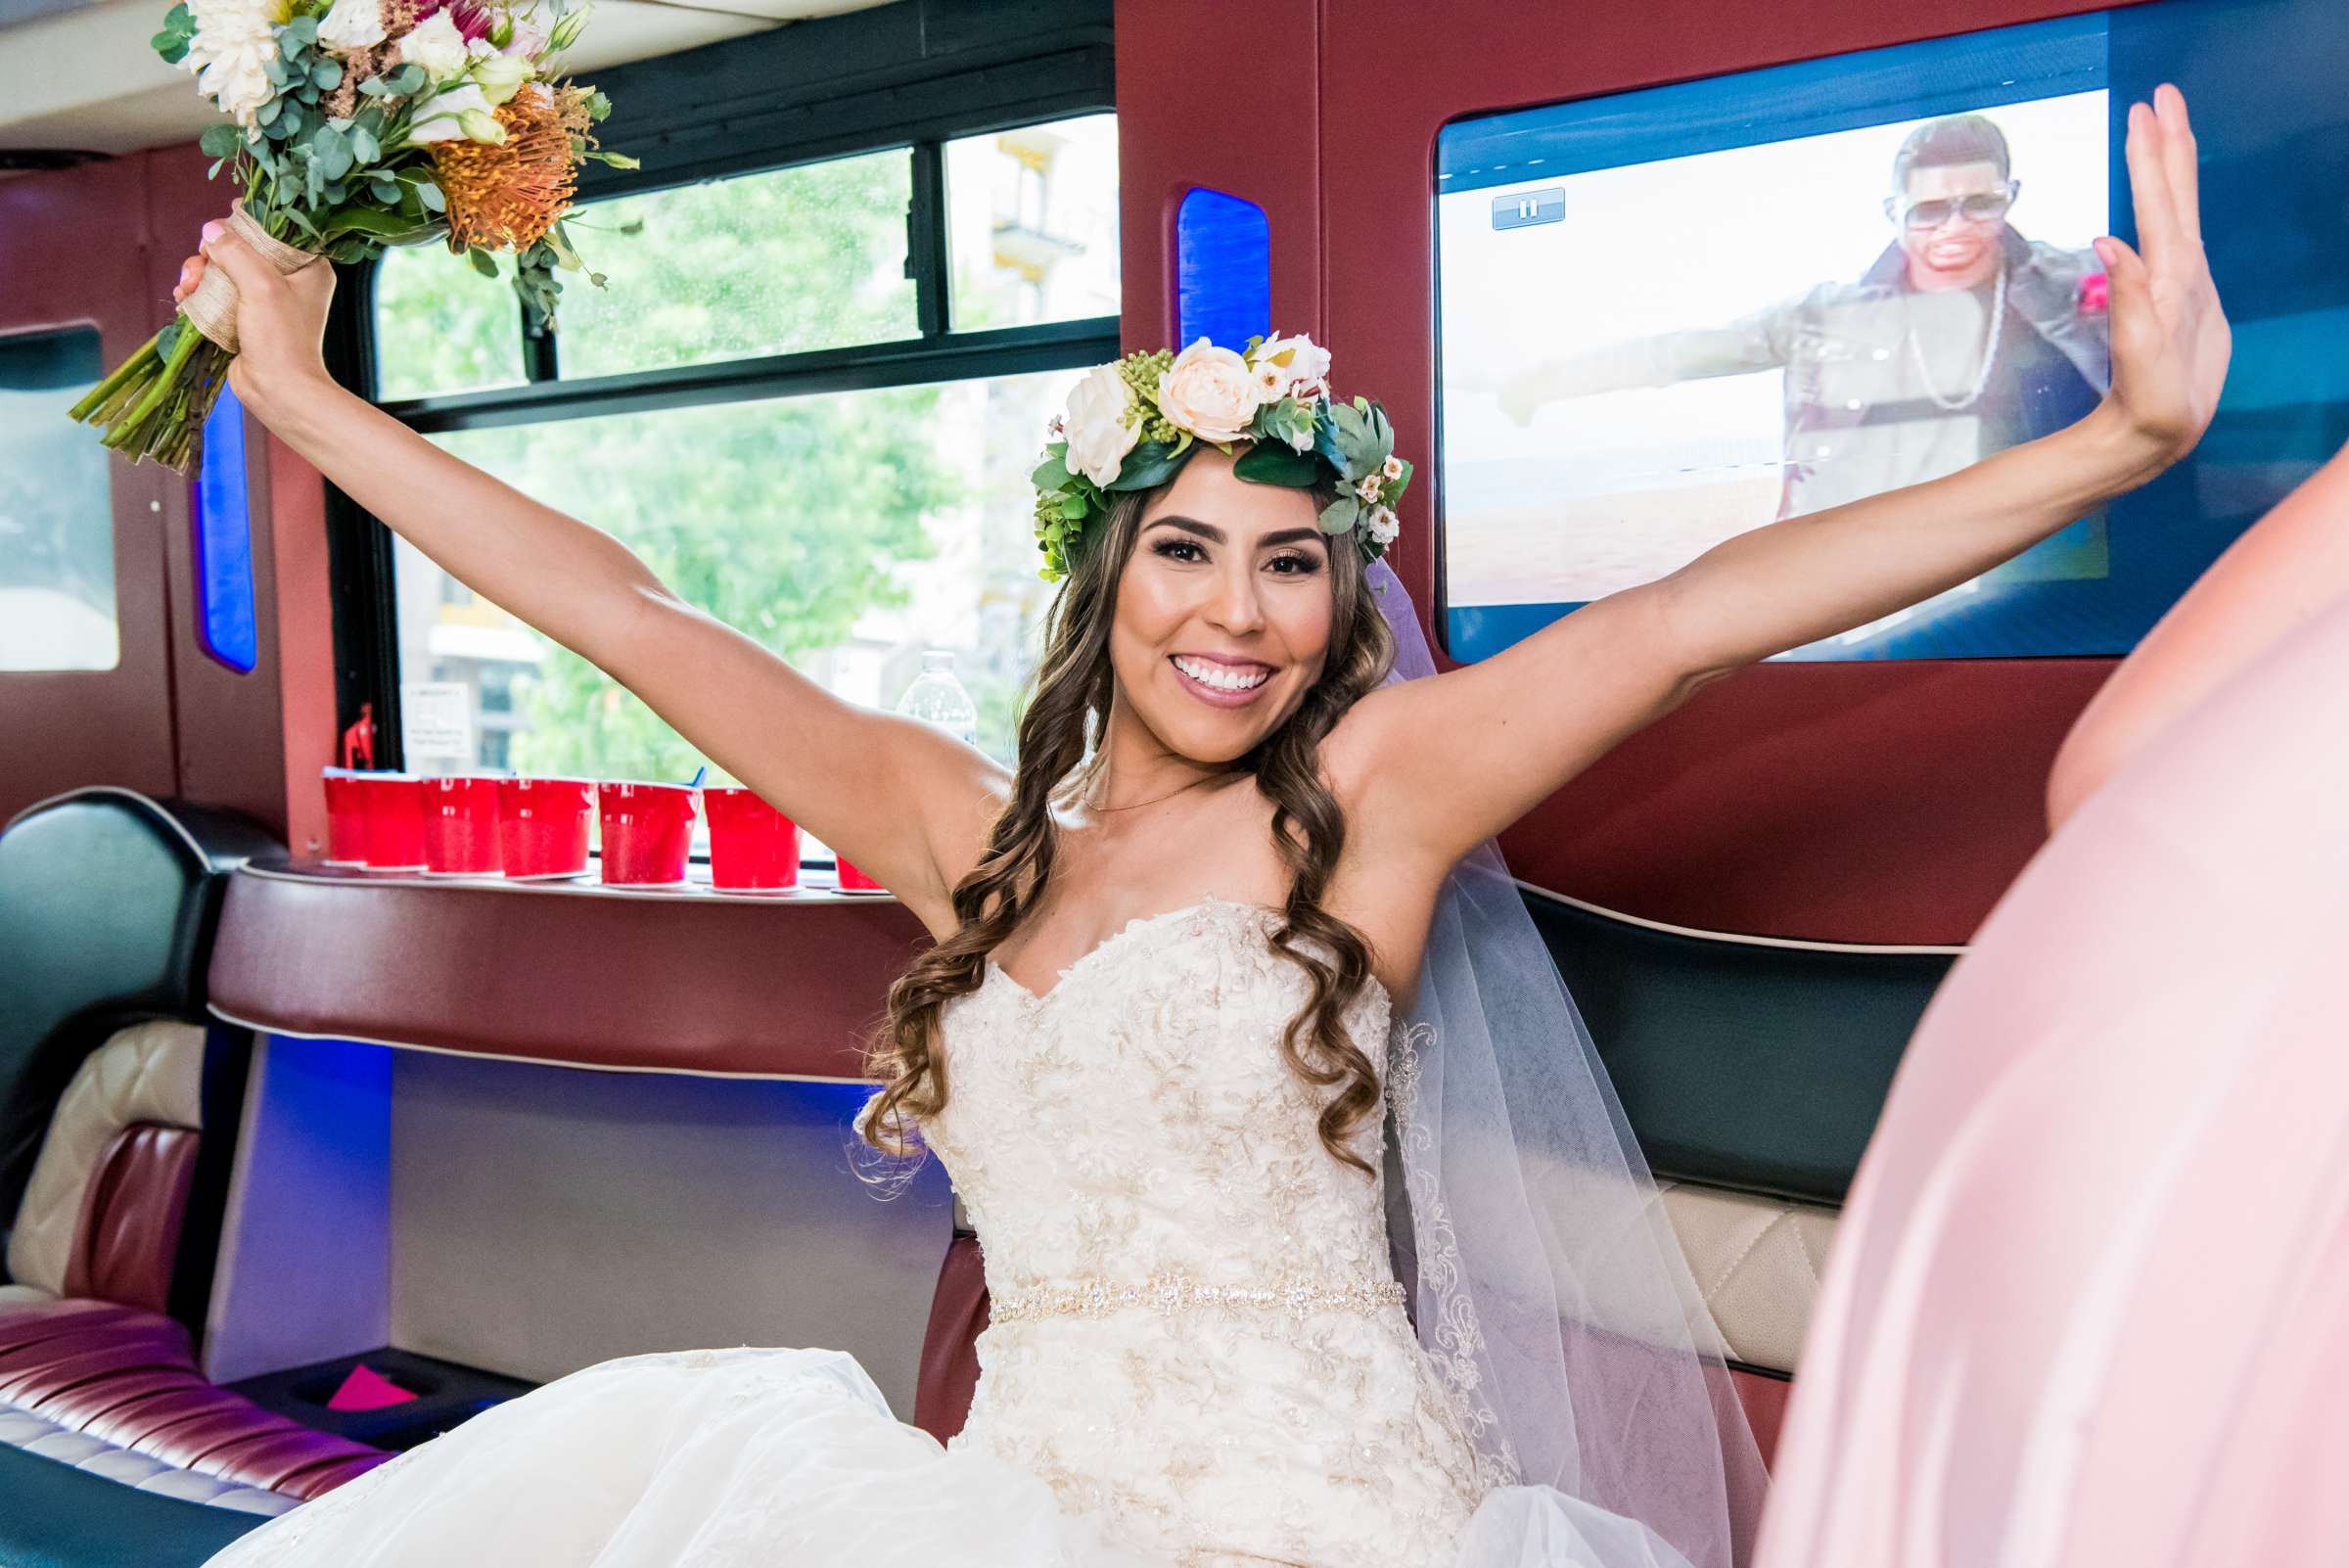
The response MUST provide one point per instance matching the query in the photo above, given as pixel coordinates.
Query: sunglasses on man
(1983, 206)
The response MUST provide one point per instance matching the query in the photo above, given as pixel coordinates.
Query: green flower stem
(182, 352)
(124, 374)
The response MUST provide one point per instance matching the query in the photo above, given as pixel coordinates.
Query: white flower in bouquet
(525, 38)
(459, 111)
(499, 76)
(1209, 391)
(234, 42)
(350, 25)
(1102, 425)
(436, 44)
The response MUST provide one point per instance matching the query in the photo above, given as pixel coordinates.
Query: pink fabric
(2089, 1298)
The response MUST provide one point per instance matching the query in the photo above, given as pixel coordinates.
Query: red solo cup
(753, 847)
(394, 805)
(460, 827)
(647, 831)
(852, 880)
(542, 825)
(346, 817)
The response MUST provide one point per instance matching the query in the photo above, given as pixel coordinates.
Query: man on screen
(1963, 339)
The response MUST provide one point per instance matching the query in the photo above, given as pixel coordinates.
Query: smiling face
(1959, 251)
(1223, 612)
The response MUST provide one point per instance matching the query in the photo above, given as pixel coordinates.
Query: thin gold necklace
(1136, 805)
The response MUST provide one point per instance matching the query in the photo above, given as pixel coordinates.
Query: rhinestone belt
(1167, 1295)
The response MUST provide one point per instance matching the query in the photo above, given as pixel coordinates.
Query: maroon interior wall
(1860, 803)
(103, 243)
(72, 250)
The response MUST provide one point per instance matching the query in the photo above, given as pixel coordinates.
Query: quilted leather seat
(115, 1389)
(93, 1373)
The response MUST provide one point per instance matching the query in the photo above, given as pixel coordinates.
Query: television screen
(1669, 316)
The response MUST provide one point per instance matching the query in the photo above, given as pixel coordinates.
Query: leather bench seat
(115, 1390)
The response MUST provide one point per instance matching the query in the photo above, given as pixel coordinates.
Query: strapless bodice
(1204, 1340)
(1136, 1122)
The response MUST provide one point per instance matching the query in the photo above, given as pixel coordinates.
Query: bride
(1157, 1038)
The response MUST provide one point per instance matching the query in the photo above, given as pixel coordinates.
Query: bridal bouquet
(354, 125)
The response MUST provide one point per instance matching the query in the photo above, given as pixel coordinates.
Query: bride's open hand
(2170, 339)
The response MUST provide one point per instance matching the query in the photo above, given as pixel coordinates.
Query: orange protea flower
(507, 196)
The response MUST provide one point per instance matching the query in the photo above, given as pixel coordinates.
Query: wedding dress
(1198, 1355)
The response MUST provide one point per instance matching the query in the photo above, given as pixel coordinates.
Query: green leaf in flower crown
(1151, 464)
(221, 141)
(1340, 514)
(1074, 507)
(1271, 463)
(1052, 474)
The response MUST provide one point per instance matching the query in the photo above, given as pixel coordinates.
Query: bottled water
(936, 698)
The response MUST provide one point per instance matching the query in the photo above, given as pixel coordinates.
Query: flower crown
(1132, 424)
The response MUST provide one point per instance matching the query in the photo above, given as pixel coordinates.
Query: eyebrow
(1216, 535)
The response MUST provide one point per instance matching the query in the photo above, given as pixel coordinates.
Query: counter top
(672, 979)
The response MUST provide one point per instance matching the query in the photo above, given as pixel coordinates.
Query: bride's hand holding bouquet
(355, 126)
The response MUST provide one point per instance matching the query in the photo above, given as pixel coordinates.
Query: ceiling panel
(85, 78)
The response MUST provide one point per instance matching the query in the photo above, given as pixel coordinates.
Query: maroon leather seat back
(131, 1214)
(942, 1400)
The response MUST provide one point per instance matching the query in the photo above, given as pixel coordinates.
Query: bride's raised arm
(907, 804)
(1455, 759)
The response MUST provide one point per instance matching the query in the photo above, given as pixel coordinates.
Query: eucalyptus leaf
(221, 141)
(1340, 514)
(482, 262)
(1052, 474)
(325, 74)
(330, 154)
(430, 194)
(363, 146)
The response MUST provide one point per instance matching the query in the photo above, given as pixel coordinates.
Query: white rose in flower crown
(1209, 391)
(454, 111)
(1383, 526)
(1300, 365)
(436, 44)
(1102, 425)
(352, 24)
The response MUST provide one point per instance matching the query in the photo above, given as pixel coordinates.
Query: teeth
(1222, 679)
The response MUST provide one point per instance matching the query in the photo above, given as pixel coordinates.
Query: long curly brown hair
(1068, 702)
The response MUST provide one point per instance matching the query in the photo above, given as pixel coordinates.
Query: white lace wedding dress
(1198, 1352)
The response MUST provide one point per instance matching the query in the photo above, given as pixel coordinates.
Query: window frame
(892, 78)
